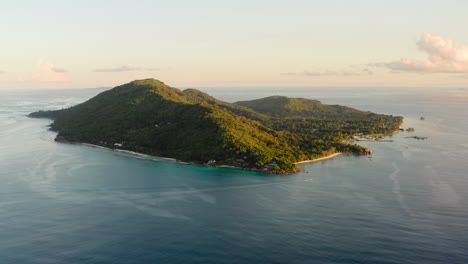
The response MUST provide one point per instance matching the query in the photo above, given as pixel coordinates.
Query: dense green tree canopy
(268, 134)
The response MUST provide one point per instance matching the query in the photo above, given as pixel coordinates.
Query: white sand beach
(323, 158)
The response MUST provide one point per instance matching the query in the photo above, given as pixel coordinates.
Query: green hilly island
(269, 134)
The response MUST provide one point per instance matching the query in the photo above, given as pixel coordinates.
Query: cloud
(125, 68)
(48, 73)
(443, 57)
(118, 69)
(368, 71)
(322, 73)
(62, 70)
(288, 73)
(330, 73)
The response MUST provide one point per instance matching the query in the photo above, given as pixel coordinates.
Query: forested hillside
(267, 134)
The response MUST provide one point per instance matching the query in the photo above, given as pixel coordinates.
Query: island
(271, 134)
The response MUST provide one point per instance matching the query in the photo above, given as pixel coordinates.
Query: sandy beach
(156, 158)
(323, 158)
(135, 154)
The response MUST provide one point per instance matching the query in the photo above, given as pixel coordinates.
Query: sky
(256, 43)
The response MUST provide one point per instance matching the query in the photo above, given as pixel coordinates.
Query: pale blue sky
(227, 43)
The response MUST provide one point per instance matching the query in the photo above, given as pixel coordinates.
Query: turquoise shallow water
(64, 203)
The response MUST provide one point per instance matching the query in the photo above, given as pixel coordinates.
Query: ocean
(63, 203)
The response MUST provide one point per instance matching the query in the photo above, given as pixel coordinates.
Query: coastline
(139, 155)
(136, 154)
(166, 159)
(319, 159)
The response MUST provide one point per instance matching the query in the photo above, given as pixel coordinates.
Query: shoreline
(139, 155)
(319, 159)
(136, 154)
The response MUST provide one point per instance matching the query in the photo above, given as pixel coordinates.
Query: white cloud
(444, 57)
(47, 73)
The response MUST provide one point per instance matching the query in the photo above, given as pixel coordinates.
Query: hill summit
(268, 134)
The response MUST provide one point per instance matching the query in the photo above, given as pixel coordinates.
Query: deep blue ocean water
(62, 203)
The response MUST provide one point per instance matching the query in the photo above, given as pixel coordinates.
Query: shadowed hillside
(150, 117)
